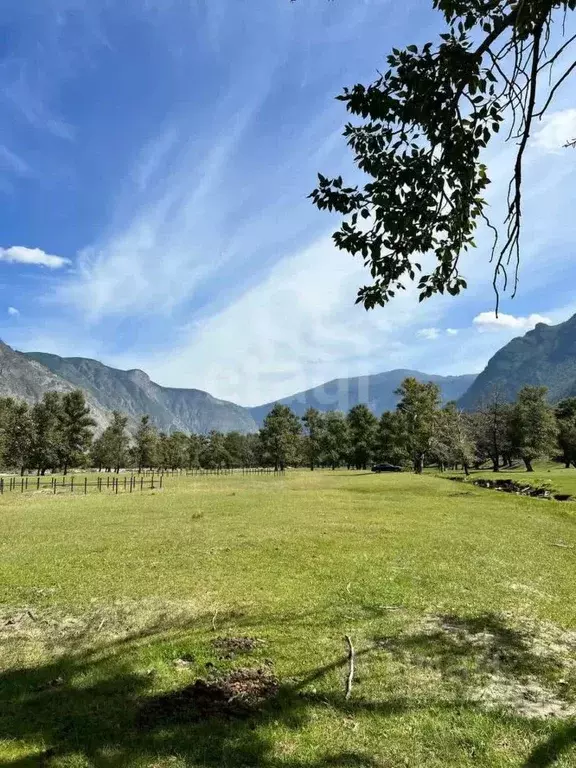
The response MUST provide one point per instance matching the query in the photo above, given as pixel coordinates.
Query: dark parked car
(386, 468)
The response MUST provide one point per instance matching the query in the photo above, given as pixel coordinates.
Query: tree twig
(351, 658)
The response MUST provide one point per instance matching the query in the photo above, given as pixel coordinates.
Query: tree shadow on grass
(94, 706)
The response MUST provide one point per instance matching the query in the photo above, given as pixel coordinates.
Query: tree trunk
(495, 464)
(466, 469)
(419, 465)
(528, 464)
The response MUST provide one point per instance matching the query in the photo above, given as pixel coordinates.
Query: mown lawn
(460, 604)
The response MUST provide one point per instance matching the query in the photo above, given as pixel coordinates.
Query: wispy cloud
(19, 254)
(557, 128)
(13, 312)
(10, 161)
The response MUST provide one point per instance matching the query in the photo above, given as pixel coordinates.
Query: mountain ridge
(544, 356)
(134, 393)
(28, 380)
(375, 390)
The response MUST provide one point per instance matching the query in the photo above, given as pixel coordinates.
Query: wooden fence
(115, 483)
(73, 484)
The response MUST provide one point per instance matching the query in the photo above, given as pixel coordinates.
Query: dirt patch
(228, 647)
(497, 662)
(236, 695)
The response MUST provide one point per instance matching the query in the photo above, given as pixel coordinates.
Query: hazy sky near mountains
(155, 158)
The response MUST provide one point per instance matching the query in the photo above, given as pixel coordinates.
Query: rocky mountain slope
(26, 379)
(545, 356)
(134, 393)
(376, 391)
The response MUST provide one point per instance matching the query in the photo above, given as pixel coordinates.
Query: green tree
(216, 455)
(193, 451)
(239, 450)
(7, 404)
(533, 427)
(566, 417)
(146, 440)
(419, 405)
(362, 429)
(391, 438)
(76, 429)
(19, 438)
(162, 452)
(178, 444)
(47, 419)
(113, 443)
(335, 439)
(279, 436)
(492, 429)
(313, 422)
(99, 454)
(453, 441)
(423, 126)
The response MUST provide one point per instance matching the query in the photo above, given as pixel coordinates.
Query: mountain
(134, 393)
(26, 379)
(545, 356)
(376, 391)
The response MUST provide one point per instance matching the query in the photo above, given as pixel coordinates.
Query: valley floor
(459, 603)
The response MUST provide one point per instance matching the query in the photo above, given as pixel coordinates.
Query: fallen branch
(214, 621)
(351, 657)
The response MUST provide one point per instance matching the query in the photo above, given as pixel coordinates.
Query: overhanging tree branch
(425, 123)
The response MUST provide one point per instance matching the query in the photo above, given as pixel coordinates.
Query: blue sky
(155, 158)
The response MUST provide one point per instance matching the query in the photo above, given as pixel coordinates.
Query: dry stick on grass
(351, 657)
(214, 621)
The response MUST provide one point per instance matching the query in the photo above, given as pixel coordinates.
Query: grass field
(460, 604)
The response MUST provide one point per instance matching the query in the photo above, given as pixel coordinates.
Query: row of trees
(420, 431)
(57, 433)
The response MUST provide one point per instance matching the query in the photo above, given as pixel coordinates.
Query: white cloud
(13, 312)
(294, 330)
(487, 321)
(452, 331)
(430, 334)
(19, 254)
(557, 129)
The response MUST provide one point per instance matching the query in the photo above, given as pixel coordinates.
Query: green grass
(459, 602)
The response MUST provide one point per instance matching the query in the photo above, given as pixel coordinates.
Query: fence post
(161, 479)
(38, 483)
(26, 482)
(54, 486)
(72, 484)
(141, 482)
(152, 482)
(22, 484)
(116, 485)
(1, 486)
(125, 478)
(85, 486)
